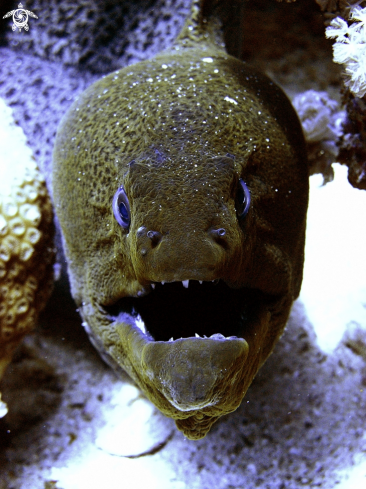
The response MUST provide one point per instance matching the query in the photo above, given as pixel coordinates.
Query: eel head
(181, 189)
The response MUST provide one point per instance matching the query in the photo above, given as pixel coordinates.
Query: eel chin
(193, 347)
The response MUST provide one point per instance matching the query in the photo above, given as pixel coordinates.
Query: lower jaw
(189, 373)
(205, 373)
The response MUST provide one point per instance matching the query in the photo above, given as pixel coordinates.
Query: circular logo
(20, 19)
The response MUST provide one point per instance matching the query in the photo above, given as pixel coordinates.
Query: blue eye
(121, 208)
(242, 203)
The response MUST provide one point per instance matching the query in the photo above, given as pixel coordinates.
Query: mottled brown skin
(178, 132)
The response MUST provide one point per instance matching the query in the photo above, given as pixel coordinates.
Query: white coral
(350, 48)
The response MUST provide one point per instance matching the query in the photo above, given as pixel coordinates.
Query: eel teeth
(200, 281)
(162, 283)
(217, 336)
(185, 283)
(197, 335)
(140, 324)
(171, 339)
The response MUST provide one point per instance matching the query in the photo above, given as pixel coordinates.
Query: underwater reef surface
(71, 422)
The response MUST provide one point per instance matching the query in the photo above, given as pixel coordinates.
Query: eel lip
(191, 373)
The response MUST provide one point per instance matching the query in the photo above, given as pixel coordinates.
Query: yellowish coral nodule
(26, 240)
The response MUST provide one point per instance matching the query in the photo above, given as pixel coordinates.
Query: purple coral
(352, 144)
(321, 120)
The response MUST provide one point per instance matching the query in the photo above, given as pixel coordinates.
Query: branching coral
(26, 239)
(350, 48)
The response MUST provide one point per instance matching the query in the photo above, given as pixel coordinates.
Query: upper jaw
(185, 283)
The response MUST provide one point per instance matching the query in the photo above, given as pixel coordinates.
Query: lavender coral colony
(26, 240)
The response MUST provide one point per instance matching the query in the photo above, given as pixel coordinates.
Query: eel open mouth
(188, 343)
(183, 310)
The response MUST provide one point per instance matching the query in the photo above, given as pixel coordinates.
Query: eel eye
(121, 208)
(242, 203)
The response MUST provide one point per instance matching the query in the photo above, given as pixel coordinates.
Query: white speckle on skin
(231, 100)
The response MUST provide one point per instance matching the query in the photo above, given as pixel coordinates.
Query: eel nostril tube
(218, 233)
(155, 237)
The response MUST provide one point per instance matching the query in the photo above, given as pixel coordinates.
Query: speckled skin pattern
(178, 132)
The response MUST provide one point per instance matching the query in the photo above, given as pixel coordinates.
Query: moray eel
(181, 187)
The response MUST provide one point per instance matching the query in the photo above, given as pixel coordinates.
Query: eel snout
(196, 252)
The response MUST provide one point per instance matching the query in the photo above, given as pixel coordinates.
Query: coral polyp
(26, 241)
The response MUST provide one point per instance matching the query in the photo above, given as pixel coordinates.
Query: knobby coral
(26, 240)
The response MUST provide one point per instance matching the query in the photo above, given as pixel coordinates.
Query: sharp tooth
(153, 286)
(197, 335)
(217, 336)
(162, 283)
(140, 324)
(200, 281)
(185, 283)
(171, 339)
